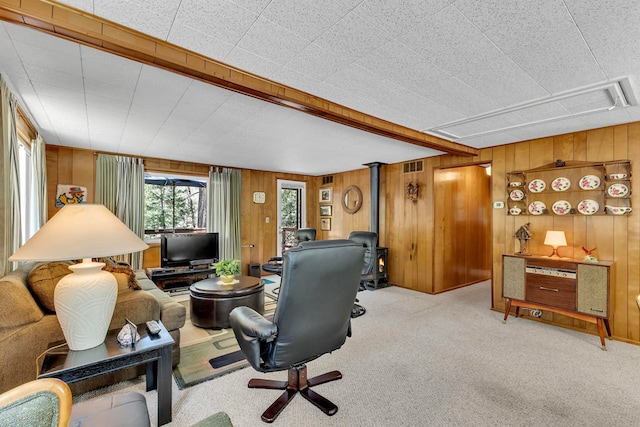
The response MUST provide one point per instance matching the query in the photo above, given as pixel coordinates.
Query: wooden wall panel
(404, 222)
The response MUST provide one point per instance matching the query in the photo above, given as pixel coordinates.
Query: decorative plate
(537, 208)
(617, 190)
(561, 184)
(537, 185)
(588, 207)
(561, 207)
(589, 182)
(516, 195)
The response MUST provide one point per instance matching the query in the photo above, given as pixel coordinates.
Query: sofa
(28, 324)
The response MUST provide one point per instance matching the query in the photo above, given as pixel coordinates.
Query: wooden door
(462, 237)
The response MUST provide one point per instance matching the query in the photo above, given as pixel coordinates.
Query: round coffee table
(212, 301)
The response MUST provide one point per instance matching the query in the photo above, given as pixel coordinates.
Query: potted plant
(227, 269)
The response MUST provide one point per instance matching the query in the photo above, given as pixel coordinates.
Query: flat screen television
(188, 250)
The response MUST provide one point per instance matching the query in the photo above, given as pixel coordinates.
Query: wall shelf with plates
(571, 188)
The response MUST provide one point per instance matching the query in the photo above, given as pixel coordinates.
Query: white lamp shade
(555, 239)
(77, 232)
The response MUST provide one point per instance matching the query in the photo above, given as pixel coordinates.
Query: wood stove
(379, 276)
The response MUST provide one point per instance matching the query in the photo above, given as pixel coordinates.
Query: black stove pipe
(374, 177)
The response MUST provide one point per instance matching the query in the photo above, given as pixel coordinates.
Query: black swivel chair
(274, 264)
(369, 241)
(313, 317)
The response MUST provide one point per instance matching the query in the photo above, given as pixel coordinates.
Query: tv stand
(169, 279)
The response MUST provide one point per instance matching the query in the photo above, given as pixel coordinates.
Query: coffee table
(153, 350)
(212, 301)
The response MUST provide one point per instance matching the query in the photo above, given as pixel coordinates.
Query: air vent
(602, 97)
(327, 179)
(412, 166)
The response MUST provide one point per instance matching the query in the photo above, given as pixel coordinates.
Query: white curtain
(225, 187)
(9, 187)
(38, 183)
(120, 187)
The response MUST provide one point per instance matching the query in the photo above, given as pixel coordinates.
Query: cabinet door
(513, 277)
(592, 290)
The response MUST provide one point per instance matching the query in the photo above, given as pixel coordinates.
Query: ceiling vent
(327, 179)
(576, 103)
(412, 167)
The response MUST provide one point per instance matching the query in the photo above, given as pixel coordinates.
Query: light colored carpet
(440, 360)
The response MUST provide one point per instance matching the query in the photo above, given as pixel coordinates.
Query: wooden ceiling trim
(81, 27)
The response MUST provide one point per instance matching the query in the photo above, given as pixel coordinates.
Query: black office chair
(312, 317)
(369, 241)
(274, 264)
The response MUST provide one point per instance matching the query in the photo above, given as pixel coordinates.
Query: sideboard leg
(601, 333)
(507, 310)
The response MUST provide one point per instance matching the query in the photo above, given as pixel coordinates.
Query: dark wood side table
(212, 301)
(153, 350)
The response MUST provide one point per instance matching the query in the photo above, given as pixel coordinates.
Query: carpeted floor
(438, 360)
(206, 354)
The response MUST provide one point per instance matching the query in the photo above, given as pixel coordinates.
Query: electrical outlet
(266, 220)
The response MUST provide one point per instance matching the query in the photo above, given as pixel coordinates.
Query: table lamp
(555, 239)
(85, 299)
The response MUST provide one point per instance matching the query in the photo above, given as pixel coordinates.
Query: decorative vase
(227, 278)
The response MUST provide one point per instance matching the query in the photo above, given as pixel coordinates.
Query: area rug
(206, 354)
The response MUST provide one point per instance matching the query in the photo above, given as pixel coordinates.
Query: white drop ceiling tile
(458, 96)
(587, 101)
(398, 16)
(251, 62)
(307, 18)
(269, 40)
(98, 91)
(113, 69)
(357, 80)
(86, 5)
(353, 36)
(198, 41)
(61, 95)
(542, 112)
(606, 23)
(254, 6)
(148, 20)
(619, 60)
(160, 82)
(35, 57)
(31, 42)
(219, 19)
(492, 140)
(317, 61)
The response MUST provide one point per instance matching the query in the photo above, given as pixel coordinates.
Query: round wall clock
(352, 199)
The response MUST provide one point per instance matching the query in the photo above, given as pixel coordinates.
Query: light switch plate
(498, 205)
(258, 197)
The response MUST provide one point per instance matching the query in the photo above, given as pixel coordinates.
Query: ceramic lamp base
(84, 303)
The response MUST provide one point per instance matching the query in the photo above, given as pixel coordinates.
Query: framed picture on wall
(325, 195)
(325, 223)
(67, 194)
(325, 210)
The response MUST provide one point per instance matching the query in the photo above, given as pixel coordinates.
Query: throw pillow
(43, 278)
(125, 275)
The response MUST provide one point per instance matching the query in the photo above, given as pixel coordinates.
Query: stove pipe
(374, 177)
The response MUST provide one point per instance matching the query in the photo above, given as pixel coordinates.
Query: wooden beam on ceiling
(90, 30)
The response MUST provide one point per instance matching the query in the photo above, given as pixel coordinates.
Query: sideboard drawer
(555, 292)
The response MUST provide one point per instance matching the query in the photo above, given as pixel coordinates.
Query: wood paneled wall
(408, 229)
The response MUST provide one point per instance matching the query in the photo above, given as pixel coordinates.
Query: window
(291, 211)
(27, 216)
(174, 204)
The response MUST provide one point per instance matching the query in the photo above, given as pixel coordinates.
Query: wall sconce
(555, 239)
(412, 192)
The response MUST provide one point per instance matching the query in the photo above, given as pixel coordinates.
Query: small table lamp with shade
(85, 299)
(555, 239)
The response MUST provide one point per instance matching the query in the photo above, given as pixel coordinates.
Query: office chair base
(298, 382)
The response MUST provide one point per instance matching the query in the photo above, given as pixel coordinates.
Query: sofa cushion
(43, 279)
(17, 306)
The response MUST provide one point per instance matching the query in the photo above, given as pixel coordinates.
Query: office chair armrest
(251, 330)
(252, 324)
